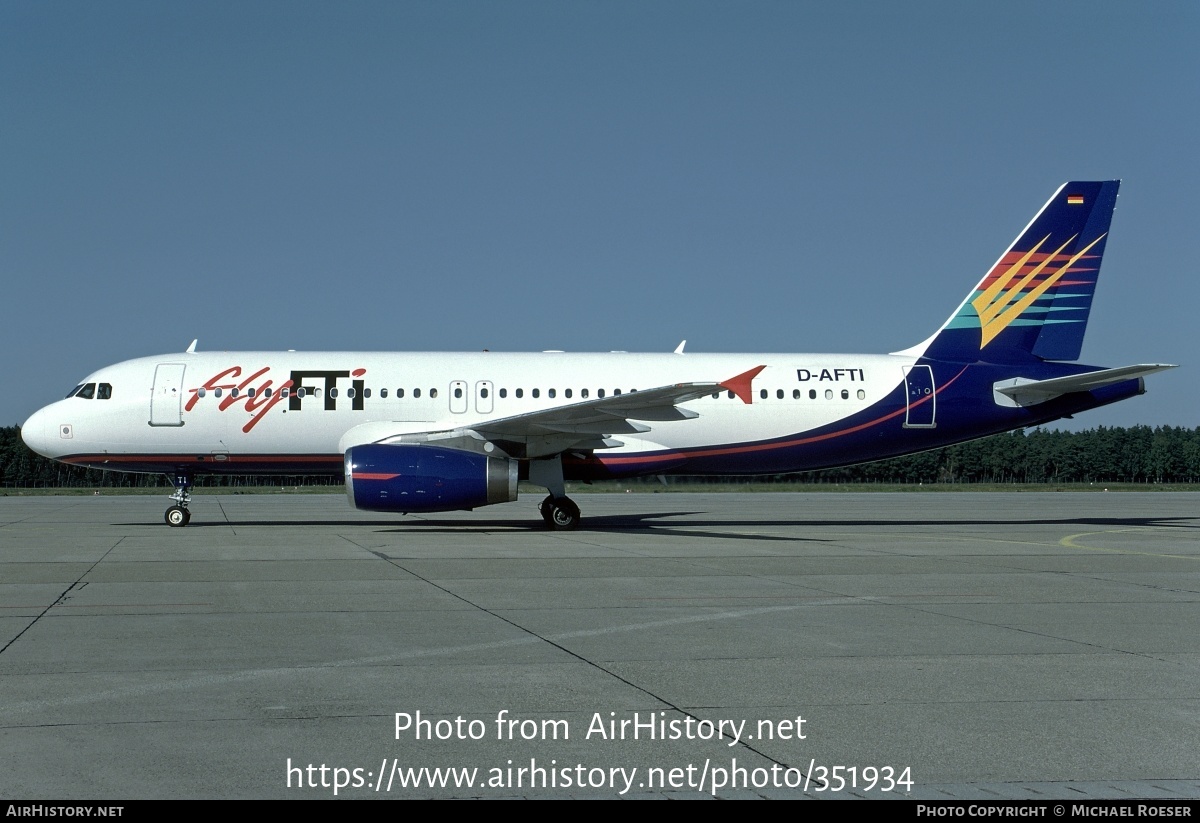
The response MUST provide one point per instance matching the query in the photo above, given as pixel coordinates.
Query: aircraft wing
(588, 424)
(1031, 392)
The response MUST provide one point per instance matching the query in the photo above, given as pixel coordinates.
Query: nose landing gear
(178, 515)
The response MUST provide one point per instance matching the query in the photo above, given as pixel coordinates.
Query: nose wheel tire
(178, 515)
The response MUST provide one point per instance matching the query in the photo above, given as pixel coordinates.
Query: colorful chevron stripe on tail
(1034, 302)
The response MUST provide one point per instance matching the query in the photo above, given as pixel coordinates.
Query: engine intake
(420, 478)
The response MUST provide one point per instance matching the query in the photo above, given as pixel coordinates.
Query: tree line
(1139, 454)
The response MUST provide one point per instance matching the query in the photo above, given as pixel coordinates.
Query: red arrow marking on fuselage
(740, 385)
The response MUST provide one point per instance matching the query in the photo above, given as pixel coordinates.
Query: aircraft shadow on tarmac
(657, 523)
(612, 524)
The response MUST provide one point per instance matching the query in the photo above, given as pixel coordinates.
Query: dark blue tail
(1034, 302)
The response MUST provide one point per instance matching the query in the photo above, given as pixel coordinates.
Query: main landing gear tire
(561, 514)
(177, 516)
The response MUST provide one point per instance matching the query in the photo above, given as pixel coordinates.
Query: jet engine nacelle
(420, 478)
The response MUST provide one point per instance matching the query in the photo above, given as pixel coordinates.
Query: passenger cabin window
(483, 393)
(812, 394)
(399, 393)
(583, 393)
(503, 393)
(249, 392)
(382, 393)
(762, 394)
(433, 392)
(520, 393)
(200, 391)
(568, 393)
(795, 394)
(333, 392)
(217, 392)
(350, 393)
(550, 393)
(599, 392)
(537, 393)
(416, 392)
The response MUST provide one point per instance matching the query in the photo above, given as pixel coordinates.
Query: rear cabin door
(922, 399)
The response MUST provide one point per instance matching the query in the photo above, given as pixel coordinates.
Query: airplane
(430, 432)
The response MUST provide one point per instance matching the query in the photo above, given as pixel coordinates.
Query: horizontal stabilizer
(1022, 392)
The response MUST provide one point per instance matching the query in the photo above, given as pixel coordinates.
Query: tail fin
(1035, 300)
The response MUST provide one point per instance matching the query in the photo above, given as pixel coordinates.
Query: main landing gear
(560, 513)
(178, 515)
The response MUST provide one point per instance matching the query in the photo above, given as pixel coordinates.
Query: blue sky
(751, 176)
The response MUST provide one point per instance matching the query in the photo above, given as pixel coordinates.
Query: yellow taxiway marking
(1069, 542)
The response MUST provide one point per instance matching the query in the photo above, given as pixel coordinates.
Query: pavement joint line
(59, 599)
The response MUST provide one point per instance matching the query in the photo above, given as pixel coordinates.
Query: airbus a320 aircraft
(429, 432)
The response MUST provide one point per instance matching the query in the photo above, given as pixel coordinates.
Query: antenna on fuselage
(192, 348)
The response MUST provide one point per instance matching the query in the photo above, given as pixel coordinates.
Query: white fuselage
(226, 411)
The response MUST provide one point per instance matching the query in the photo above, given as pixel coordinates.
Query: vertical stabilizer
(1034, 302)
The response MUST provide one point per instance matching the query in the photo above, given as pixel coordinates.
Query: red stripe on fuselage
(758, 447)
(199, 459)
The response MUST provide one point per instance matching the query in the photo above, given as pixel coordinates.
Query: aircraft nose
(39, 434)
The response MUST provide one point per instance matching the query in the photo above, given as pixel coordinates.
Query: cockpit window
(75, 390)
(87, 392)
(104, 391)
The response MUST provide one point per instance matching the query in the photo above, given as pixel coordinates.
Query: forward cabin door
(922, 399)
(166, 398)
